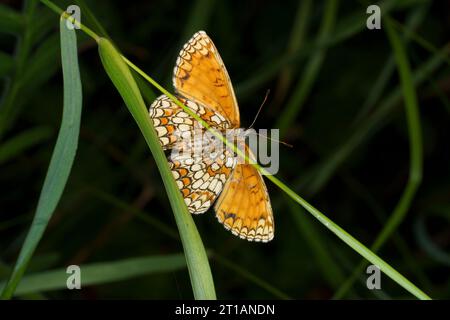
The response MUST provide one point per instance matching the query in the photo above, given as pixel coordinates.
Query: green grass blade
(306, 82)
(424, 43)
(296, 41)
(172, 233)
(199, 15)
(367, 128)
(413, 21)
(250, 276)
(415, 137)
(352, 242)
(197, 260)
(344, 29)
(8, 107)
(147, 93)
(62, 157)
(11, 21)
(428, 245)
(18, 144)
(101, 273)
(328, 267)
(6, 64)
(91, 19)
(143, 216)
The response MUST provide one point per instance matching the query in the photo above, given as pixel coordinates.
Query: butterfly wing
(201, 176)
(171, 122)
(200, 75)
(244, 205)
(200, 167)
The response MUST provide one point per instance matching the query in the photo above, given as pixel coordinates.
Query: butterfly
(240, 195)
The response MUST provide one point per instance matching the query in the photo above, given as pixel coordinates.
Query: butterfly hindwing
(201, 176)
(244, 205)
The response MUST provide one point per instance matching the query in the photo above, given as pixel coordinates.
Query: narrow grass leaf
(250, 276)
(351, 241)
(415, 141)
(6, 64)
(23, 141)
(328, 267)
(296, 41)
(199, 16)
(91, 19)
(101, 273)
(62, 157)
(11, 21)
(428, 245)
(197, 260)
(307, 79)
(414, 133)
(367, 128)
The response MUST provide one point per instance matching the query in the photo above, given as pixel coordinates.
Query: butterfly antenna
(279, 141)
(260, 107)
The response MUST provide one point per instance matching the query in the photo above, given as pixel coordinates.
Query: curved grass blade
(11, 21)
(197, 260)
(328, 167)
(21, 142)
(6, 64)
(172, 233)
(91, 19)
(308, 78)
(250, 276)
(416, 157)
(413, 21)
(101, 273)
(62, 157)
(330, 270)
(200, 14)
(8, 104)
(296, 42)
(428, 245)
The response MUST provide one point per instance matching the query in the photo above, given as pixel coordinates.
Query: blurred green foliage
(335, 89)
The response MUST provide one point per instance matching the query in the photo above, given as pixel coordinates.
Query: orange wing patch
(244, 205)
(200, 75)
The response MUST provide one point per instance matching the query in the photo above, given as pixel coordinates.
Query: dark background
(114, 173)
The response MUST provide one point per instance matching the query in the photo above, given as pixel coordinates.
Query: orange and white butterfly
(203, 85)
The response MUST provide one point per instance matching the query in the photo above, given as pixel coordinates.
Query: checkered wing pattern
(171, 122)
(201, 177)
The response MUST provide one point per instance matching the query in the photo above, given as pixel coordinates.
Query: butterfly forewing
(200, 75)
